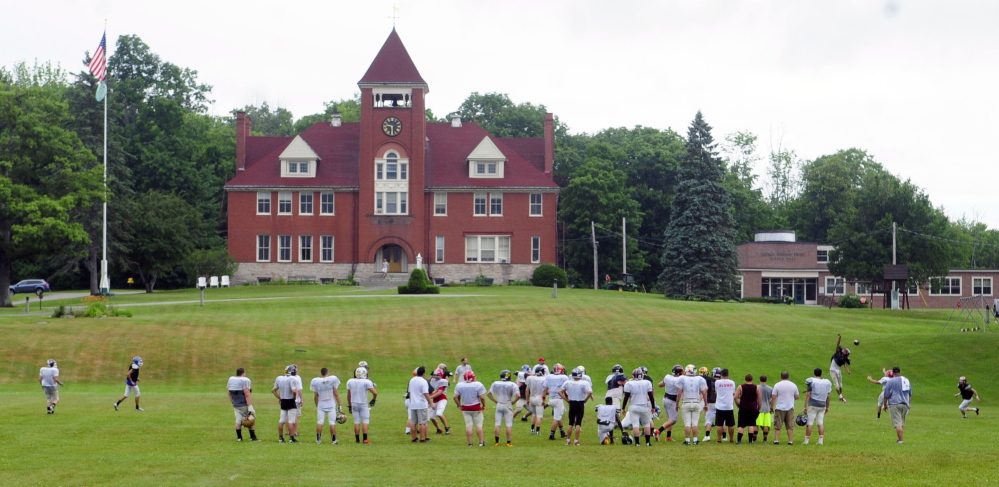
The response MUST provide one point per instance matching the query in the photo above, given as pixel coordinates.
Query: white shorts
(520, 404)
(816, 415)
(881, 400)
(837, 378)
(326, 413)
(558, 408)
(289, 416)
(669, 406)
(51, 393)
(962, 407)
(504, 411)
(709, 416)
(638, 416)
(604, 430)
(536, 408)
(361, 413)
(691, 413)
(438, 408)
(239, 413)
(132, 389)
(472, 418)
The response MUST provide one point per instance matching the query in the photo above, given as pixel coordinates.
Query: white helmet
(52, 363)
(361, 373)
(363, 364)
(576, 373)
(582, 370)
(691, 370)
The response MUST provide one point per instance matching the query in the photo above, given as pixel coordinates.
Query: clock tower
(391, 204)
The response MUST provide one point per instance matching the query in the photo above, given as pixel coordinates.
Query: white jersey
(359, 390)
(577, 390)
(469, 392)
(296, 381)
(536, 385)
(639, 390)
(325, 386)
(418, 386)
(48, 375)
(726, 395)
(671, 381)
(460, 370)
(522, 377)
(436, 384)
(554, 383)
(606, 413)
(285, 387)
(588, 379)
(884, 380)
(238, 383)
(503, 391)
(692, 385)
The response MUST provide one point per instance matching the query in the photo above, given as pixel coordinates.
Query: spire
(392, 66)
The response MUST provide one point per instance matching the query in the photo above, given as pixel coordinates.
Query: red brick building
(338, 198)
(775, 264)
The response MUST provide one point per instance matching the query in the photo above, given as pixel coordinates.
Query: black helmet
(617, 368)
(677, 369)
(800, 420)
(505, 375)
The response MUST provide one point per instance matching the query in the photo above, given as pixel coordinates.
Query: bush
(519, 283)
(546, 274)
(758, 299)
(427, 290)
(419, 283)
(850, 301)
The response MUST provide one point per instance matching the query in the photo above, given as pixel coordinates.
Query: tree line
(168, 160)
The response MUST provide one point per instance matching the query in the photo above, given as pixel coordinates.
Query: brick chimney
(549, 143)
(242, 132)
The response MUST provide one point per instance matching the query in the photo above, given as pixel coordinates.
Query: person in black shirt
(840, 360)
(967, 393)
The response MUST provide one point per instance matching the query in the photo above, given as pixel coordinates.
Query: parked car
(36, 286)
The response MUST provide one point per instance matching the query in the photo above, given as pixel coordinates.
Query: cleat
(524, 419)
(562, 433)
(335, 442)
(415, 440)
(738, 443)
(576, 443)
(568, 442)
(439, 431)
(820, 441)
(656, 434)
(447, 430)
(497, 444)
(319, 442)
(509, 444)
(139, 410)
(469, 444)
(806, 441)
(686, 443)
(294, 440)
(254, 439)
(706, 439)
(280, 440)
(790, 443)
(977, 410)
(776, 442)
(482, 444)
(899, 442)
(115, 406)
(696, 443)
(879, 414)
(842, 399)
(239, 439)
(647, 443)
(367, 442)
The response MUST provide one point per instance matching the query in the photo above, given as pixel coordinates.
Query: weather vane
(395, 15)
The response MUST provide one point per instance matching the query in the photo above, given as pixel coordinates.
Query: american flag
(98, 63)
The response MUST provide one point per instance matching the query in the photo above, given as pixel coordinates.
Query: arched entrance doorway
(396, 257)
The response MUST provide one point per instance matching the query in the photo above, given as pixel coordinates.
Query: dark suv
(36, 286)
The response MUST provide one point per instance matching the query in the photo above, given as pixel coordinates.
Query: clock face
(392, 126)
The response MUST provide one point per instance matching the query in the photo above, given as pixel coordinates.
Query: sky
(914, 83)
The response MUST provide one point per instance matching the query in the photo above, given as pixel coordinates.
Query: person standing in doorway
(384, 268)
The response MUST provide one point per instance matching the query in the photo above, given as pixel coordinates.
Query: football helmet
(505, 375)
(702, 371)
(656, 411)
(361, 373)
(846, 351)
(468, 376)
(291, 369)
(52, 363)
(617, 368)
(137, 361)
(801, 420)
(576, 373)
(962, 380)
(438, 373)
(525, 368)
(891, 374)
(716, 371)
(539, 370)
(582, 369)
(644, 369)
(637, 373)
(340, 417)
(691, 370)
(677, 369)
(442, 366)
(249, 420)
(626, 440)
(558, 369)
(362, 364)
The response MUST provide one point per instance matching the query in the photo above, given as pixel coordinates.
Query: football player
(536, 398)
(239, 388)
(132, 383)
(553, 384)
(607, 420)
(840, 360)
(576, 391)
(669, 402)
(469, 396)
(966, 392)
(284, 391)
(503, 393)
(327, 399)
(638, 391)
(296, 381)
(438, 384)
(522, 375)
(357, 397)
(615, 385)
(48, 377)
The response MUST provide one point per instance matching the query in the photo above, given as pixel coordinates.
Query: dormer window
(298, 160)
(486, 161)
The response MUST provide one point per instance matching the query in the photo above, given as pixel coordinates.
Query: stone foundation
(500, 273)
(253, 272)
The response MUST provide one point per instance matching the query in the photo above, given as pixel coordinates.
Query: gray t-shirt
(236, 386)
(820, 389)
(765, 393)
(898, 391)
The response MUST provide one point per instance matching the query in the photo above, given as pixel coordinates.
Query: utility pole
(624, 245)
(593, 237)
(894, 261)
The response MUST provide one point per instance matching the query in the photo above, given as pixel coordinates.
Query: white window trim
(444, 195)
(439, 246)
(270, 198)
(991, 283)
(835, 281)
(473, 166)
(332, 203)
(530, 206)
(398, 203)
(498, 259)
(312, 203)
(485, 209)
(489, 203)
(399, 160)
(301, 248)
(291, 203)
(332, 248)
(268, 248)
(960, 286)
(535, 238)
(291, 248)
(310, 168)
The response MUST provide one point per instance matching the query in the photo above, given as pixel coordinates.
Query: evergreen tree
(699, 260)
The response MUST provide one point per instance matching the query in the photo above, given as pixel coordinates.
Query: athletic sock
(239, 434)
(281, 437)
(648, 439)
(119, 403)
(765, 436)
(497, 439)
(357, 438)
(253, 435)
(739, 438)
(661, 429)
(669, 434)
(365, 436)
(319, 436)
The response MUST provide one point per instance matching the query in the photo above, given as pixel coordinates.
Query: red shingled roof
(338, 149)
(392, 64)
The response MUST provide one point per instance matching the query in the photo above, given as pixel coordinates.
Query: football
(856, 342)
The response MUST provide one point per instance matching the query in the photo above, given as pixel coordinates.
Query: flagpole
(105, 282)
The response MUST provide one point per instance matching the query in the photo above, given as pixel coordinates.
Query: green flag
(102, 91)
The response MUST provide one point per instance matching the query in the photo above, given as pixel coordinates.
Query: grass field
(185, 435)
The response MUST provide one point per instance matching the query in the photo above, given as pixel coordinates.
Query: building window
(305, 203)
(863, 288)
(480, 204)
(392, 169)
(263, 203)
(535, 249)
(487, 248)
(263, 248)
(822, 256)
(496, 204)
(486, 168)
(326, 203)
(391, 203)
(981, 285)
(535, 204)
(284, 248)
(440, 249)
(284, 203)
(835, 285)
(945, 286)
(742, 284)
(305, 248)
(326, 248)
(440, 204)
